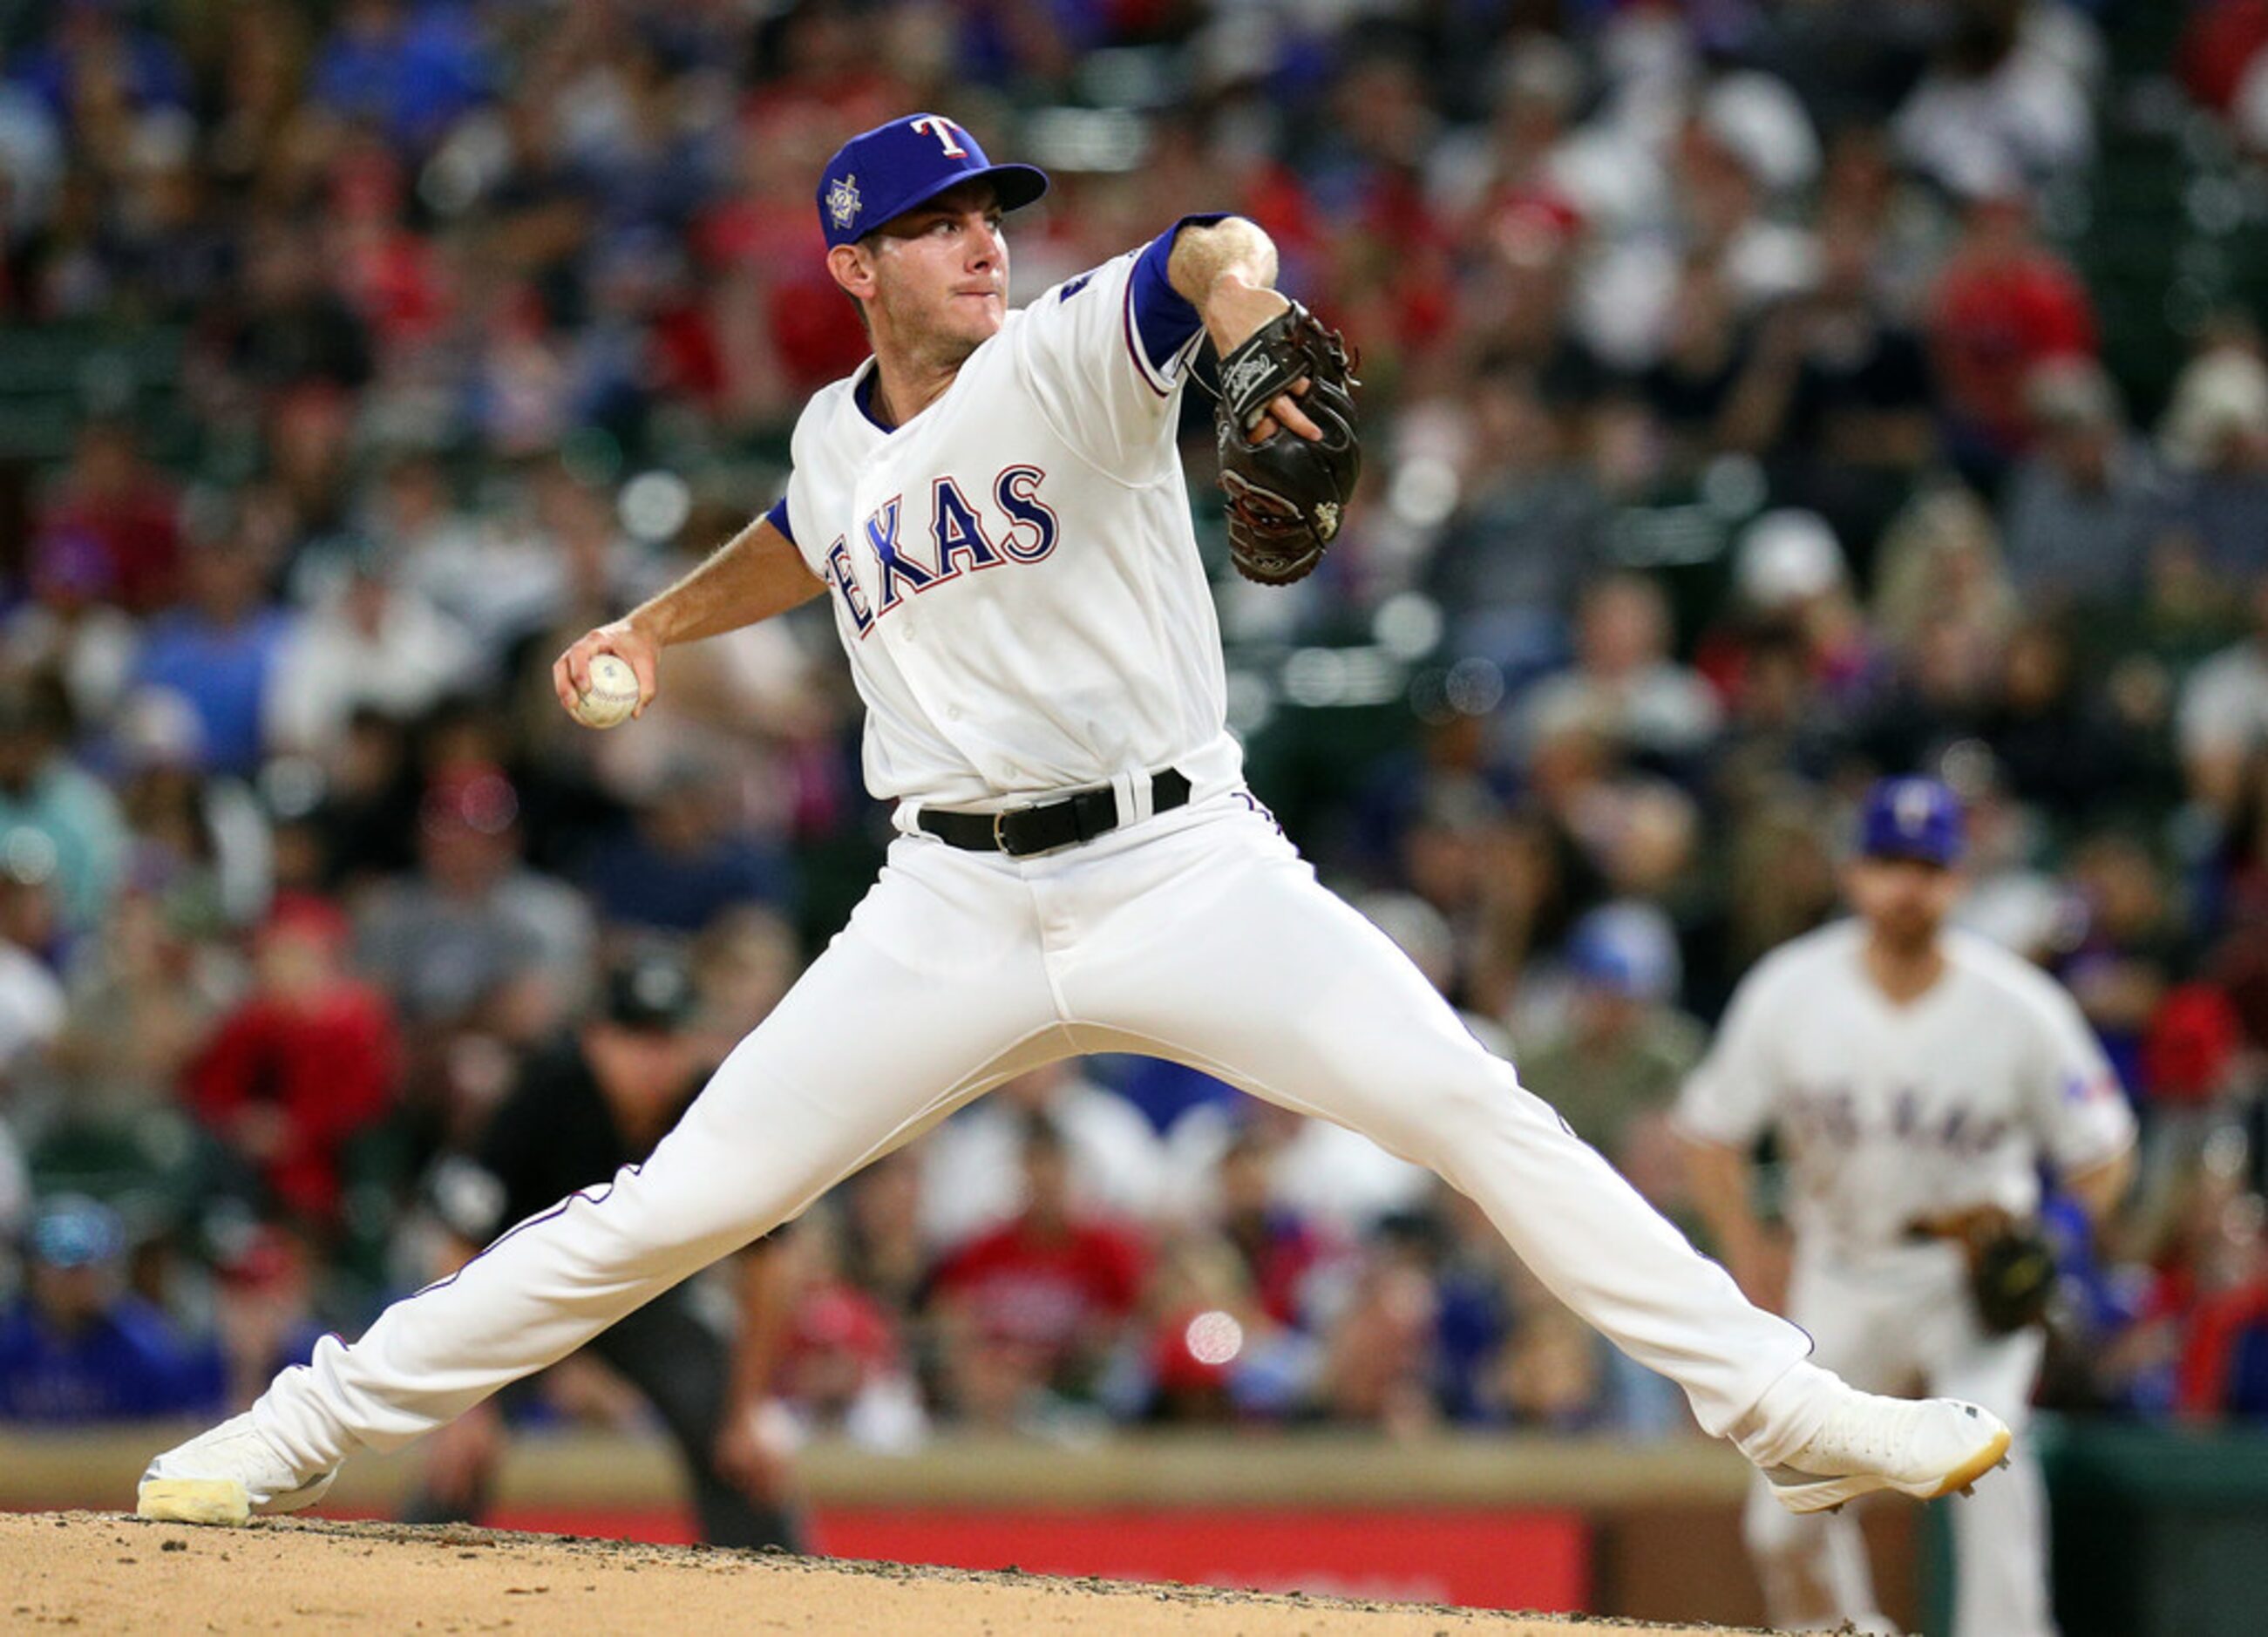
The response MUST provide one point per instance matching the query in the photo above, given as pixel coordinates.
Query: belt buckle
(1000, 840)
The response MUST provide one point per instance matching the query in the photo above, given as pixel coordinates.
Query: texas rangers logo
(941, 128)
(1912, 806)
(843, 201)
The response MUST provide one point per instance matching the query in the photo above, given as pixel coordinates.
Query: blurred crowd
(1738, 429)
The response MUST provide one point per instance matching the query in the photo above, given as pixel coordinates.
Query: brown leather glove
(1286, 493)
(2012, 1267)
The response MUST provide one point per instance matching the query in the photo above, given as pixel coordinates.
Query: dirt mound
(95, 1572)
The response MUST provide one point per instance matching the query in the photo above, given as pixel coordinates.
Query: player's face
(1904, 900)
(940, 273)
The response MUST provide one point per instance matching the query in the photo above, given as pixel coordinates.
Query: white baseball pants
(1197, 935)
(1882, 1330)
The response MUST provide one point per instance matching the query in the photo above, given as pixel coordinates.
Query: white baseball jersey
(1047, 470)
(1890, 1113)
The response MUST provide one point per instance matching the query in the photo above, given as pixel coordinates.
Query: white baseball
(611, 696)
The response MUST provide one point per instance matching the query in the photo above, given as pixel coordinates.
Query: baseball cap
(1788, 556)
(73, 1230)
(652, 993)
(1627, 948)
(1912, 818)
(888, 170)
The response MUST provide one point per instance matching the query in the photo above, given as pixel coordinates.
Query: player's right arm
(1723, 1181)
(1724, 1106)
(751, 577)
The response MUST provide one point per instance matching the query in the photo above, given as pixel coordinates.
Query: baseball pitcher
(993, 508)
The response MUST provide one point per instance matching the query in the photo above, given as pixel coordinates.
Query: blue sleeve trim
(777, 517)
(1161, 320)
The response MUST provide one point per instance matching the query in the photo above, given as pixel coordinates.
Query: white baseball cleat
(1920, 1447)
(224, 1477)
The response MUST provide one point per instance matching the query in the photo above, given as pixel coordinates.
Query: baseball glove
(2012, 1276)
(1286, 493)
(2012, 1267)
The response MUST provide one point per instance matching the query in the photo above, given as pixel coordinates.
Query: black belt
(1044, 826)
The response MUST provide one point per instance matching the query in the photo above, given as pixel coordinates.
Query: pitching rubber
(223, 1501)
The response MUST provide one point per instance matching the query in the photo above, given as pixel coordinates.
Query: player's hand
(571, 672)
(1283, 411)
(755, 1452)
(1233, 313)
(1972, 1226)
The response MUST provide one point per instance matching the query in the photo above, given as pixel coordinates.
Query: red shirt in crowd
(2209, 1359)
(2217, 48)
(1045, 1289)
(1998, 319)
(325, 1064)
(138, 530)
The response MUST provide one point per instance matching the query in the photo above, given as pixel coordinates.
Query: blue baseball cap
(72, 1230)
(1912, 818)
(888, 170)
(1628, 948)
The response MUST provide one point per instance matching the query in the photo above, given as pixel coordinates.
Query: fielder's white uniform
(1888, 1113)
(1015, 580)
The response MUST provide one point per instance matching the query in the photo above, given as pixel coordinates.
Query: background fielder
(1918, 1078)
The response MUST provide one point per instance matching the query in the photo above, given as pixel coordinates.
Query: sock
(1788, 1413)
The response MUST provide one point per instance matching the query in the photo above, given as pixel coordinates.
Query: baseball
(611, 696)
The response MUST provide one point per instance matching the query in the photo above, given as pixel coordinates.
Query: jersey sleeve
(1732, 1096)
(1106, 355)
(794, 516)
(2079, 1112)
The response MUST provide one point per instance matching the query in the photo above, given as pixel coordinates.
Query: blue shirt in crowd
(128, 1365)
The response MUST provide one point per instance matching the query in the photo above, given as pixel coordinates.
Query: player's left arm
(2100, 1188)
(2080, 1113)
(1227, 270)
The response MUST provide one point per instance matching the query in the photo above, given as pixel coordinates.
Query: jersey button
(953, 713)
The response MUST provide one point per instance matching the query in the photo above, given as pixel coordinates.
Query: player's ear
(853, 267)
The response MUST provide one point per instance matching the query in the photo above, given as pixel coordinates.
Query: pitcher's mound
(98, 1573)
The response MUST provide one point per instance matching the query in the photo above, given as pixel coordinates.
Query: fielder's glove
(1286, 493)
(2012, 1277)
(2012, 1267)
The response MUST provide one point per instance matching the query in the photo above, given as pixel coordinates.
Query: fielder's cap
(1627, 948)
(888, 170)
(652, 993)
(73, 1230)
(1912, 818)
